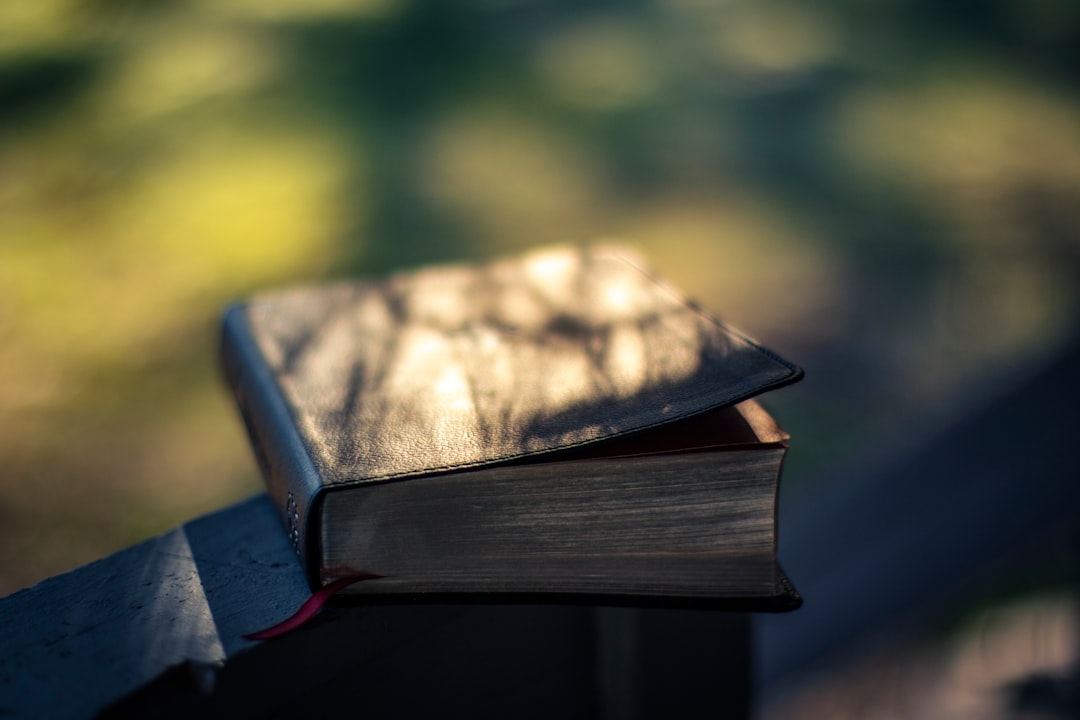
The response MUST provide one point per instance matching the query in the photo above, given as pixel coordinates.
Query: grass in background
(888, 197)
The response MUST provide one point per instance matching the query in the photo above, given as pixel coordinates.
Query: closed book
(560, 424)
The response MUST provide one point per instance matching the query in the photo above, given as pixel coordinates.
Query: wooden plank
(117, 623)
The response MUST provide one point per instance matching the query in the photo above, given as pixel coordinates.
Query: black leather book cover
(455, 367)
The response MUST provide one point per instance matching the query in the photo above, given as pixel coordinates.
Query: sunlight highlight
(774, 37)
(601, 64)
(30, 27)
(516, 181)
(175, 69)
(302, 10)
(452, 389)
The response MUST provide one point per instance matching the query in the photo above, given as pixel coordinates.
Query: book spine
(292, 479)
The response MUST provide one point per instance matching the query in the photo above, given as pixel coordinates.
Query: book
(561, 424)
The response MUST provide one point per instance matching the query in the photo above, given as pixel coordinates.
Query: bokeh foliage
(886, 192)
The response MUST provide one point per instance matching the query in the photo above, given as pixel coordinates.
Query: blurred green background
(887, 193)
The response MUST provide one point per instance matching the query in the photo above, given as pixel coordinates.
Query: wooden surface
(156, 631)
(78, 641)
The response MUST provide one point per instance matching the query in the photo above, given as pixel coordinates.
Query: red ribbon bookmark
(311, 606)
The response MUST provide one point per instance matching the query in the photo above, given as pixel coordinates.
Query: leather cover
(449, 368)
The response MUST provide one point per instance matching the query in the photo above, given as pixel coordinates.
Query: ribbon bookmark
(311, 606)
